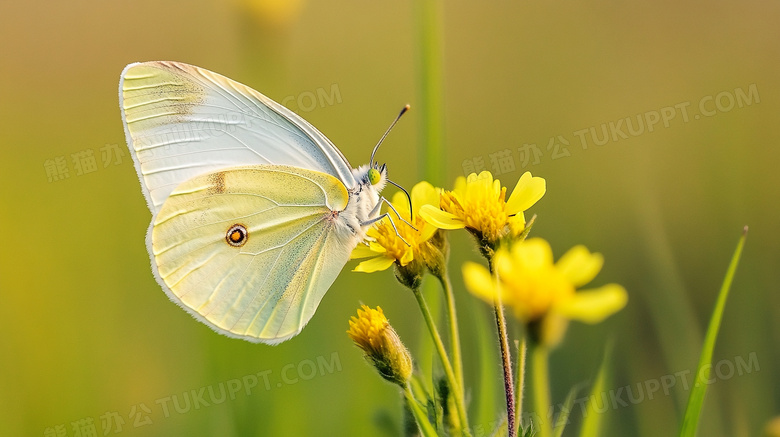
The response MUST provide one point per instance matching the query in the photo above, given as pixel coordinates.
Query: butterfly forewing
(251, 251)
(182, 121)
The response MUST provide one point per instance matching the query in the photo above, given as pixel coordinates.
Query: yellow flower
(478, 203)
(272, 14)
(772, 428)
(542, 293)
(385, 248)
(371, 331)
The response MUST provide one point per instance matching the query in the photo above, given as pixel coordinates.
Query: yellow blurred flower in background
(542, 293)
(479, 204)
(372, 332)
(772, 428)
(386, 248)
(274, 14)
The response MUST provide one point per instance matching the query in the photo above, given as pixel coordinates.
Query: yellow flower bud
(371, 331)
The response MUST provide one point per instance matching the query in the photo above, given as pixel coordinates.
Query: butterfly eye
(374, 176)
(237, 235)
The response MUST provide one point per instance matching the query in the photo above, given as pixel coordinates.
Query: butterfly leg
(392, 223)
(379, 205)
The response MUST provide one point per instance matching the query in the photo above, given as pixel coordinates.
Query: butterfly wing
(181, 121)
(266, 289)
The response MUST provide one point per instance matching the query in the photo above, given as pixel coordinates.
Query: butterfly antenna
(411, 210)
(371, 162)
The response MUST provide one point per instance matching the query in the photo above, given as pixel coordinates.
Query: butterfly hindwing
(266, 285)
(182, 121)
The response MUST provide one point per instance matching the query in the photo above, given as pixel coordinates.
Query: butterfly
(254, 211)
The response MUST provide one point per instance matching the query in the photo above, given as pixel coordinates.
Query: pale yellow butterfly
(254, 211)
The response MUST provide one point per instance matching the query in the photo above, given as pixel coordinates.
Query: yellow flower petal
(484, 176)
(532, 254)
(580, 266)
(401, 204)
(374, 264)
(527, 192)
(407, 257)
(362, 251)
(479, 185)
(440, 219)
(460, 183)
(376, 247)
(478, 281)
(424, 194)
(496, 188)
(593, 306)
(427, 231)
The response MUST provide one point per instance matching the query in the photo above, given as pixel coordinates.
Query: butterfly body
(363, 200)
(254, 211)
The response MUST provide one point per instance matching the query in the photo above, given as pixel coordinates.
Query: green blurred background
(89, 336)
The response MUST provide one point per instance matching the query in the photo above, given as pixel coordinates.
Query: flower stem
(539, 358)
(419, 415)
(522, 350)
(457, 360)
(506, 360)
(457, 390)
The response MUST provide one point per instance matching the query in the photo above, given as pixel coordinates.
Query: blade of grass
(430, 39)
(696, 398)
(501, 429)
(419, 415)
(563, 417)
(591, 422)
(522, 350)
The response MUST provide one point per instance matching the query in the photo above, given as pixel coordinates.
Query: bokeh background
(89, 337)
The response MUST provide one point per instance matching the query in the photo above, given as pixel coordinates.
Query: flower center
(395, 247)
(480, 210)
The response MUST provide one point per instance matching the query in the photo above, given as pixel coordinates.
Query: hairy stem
(506, 358)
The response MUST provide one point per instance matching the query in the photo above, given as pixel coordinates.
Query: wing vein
(269, 272)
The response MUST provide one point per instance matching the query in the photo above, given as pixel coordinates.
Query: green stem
(506, 359)
(448, 372)
(457, 360)
(539, 359)
(522, 351)
(419, 415)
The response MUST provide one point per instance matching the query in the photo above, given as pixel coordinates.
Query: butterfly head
(377, 174)
(374, 176)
